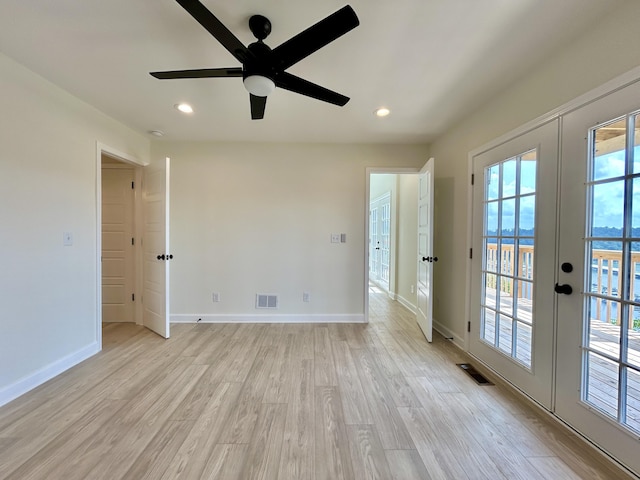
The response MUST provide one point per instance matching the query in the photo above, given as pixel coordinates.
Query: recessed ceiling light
(156, 133)
(184, 107)
(382, 112)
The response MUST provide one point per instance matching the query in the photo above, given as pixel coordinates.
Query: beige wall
(608, 50)
(48, 186)
(257, 218)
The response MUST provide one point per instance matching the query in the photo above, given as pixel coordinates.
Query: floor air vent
(473, 373)
(266, 301)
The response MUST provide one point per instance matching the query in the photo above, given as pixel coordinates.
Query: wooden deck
(602, 388)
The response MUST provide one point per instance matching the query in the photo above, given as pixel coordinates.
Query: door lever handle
(160, 257)
(564, 289)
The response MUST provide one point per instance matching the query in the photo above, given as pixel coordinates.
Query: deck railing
(605, 280)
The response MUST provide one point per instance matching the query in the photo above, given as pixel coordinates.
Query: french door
(598, 373)
(555, 297)
(513, 260)
(380, 240)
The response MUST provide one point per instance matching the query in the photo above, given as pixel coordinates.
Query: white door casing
(156, 247)
(426, 257)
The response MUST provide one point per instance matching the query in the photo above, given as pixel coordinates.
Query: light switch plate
(335, 238)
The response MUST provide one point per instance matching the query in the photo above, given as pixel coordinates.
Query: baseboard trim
(406, 304)
(22, 386)
(269, 318)
(449, 334)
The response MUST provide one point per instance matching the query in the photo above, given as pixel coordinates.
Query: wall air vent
(266, 301)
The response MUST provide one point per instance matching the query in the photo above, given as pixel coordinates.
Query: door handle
(165, 257)
(425, 259)
(429, 259)
(563, 289)
(160, 257)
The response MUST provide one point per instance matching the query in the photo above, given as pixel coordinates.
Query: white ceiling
(429, 61)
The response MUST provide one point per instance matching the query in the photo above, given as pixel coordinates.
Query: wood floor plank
(226, 462)
(406, 465)
(333, 460)
(390, 426)
(263, 457)
(297, 461)
(324, 367)
(154, 460)
(354, 401)
(367, 455)
(192, 455)
(244, 414)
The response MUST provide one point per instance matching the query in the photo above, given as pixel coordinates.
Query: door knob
(169, 257)
(564, 289)
(435, 259)
(160, 257)
(425, 259)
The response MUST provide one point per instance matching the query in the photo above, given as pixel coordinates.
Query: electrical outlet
(413, 289)
(306, 297)
(215, 297)
(335, 238)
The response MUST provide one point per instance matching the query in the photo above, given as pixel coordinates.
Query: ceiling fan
(263, 69)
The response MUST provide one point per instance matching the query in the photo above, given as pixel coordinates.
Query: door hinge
(133, 297)
(469, 327)
(133, 241)
(473, 177)
(133, 185)
(471, 253)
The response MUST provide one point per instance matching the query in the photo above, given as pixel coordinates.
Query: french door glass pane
(509, 231)
(612, 318)
(602, 383)
(633, 399)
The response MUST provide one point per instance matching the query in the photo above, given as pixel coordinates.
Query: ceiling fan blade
(201, 73)
(257, 107)
(215, 27)
(315, 37)
(304, 87)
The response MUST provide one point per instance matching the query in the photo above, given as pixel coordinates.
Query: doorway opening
(392, 233)
(119, 240)
(119, 226)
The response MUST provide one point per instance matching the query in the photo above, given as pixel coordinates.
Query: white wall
(47, 187)
(257, 218)
(608, 50)
(407, 239)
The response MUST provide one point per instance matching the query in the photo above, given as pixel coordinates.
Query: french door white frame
(126, 158)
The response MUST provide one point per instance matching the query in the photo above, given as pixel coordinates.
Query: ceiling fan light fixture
(259, 85)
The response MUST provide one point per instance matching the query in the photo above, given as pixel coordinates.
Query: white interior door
(513, 260)
(598, 372)
(426, 258)
(156, 247)
(118, 251)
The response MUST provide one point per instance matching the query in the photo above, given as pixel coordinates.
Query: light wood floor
(283, 402)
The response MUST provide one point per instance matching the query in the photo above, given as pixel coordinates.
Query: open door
(425, 250)
(156, 248)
